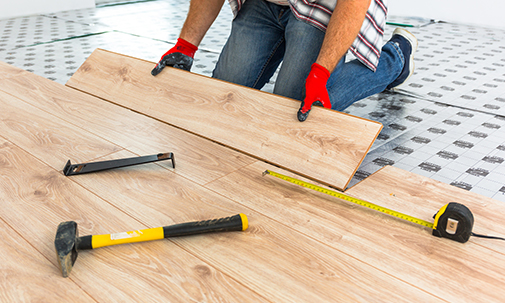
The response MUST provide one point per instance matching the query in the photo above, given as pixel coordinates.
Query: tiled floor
(447, 122)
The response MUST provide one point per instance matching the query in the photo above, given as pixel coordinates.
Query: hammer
(67, 241)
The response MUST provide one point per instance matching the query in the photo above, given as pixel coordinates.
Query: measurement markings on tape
(453, 221)
(350, 199)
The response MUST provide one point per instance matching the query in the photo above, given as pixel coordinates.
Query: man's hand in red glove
(179, 56)
(315, 91)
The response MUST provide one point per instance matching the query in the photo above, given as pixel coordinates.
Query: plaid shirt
(367, 45)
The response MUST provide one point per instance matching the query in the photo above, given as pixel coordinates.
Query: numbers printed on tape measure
(456, 229)
(351, 199)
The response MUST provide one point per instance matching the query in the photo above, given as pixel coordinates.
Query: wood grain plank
(449, 270)
(196, 158)
(271, 258)
(23, 274)
(35, 201)
(328, 147)
(422, 197)
(8, 71)
(23, 270)
(46, 136)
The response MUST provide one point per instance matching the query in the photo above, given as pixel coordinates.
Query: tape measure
(453, 221)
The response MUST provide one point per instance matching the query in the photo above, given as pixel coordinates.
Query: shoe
(408, 45)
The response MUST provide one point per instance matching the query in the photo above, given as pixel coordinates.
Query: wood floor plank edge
(75, 80)
(50, 214)
(361, 231)
(118, 125)
(219, 143)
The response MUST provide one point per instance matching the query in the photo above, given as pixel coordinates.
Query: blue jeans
(265, 34)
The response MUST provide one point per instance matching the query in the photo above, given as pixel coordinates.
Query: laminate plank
(196, 158)
(422, 197)
(270, 257)
(46, 136)
(23, 273)
(446, 269)
(284, 256)
(35, 201)
(7, 71)
(328, 147)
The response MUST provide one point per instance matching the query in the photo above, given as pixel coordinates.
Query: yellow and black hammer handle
(67, 241)
(234, 223)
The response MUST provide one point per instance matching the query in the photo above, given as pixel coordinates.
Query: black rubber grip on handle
(233, 223)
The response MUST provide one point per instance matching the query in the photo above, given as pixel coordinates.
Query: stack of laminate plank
(301, 246)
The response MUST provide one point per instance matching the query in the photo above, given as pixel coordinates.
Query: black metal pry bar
(84, 168)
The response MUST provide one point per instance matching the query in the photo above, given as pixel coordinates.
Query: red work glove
(315, 91)
(179, 56)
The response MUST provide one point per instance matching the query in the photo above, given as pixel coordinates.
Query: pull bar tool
(83, 168)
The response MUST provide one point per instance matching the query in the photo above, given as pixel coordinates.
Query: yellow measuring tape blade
(350, 199)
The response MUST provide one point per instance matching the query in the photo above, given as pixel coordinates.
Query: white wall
(488, 13)
(16, 8)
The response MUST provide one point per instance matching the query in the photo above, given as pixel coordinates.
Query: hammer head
(66, 247)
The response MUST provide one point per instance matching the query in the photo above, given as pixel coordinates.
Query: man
(311, 39)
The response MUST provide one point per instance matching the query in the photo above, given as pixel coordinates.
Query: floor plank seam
(62, 119)
(113, 205)
(326, 244)
(145, 115)
(111, 153)
(206, 138)
(229, 173)
(43, 256)
(489, 248)
(74, 181)
(32, 155)
(174, 241)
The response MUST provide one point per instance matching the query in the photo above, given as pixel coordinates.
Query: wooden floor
(301, 246)
(253, 122)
